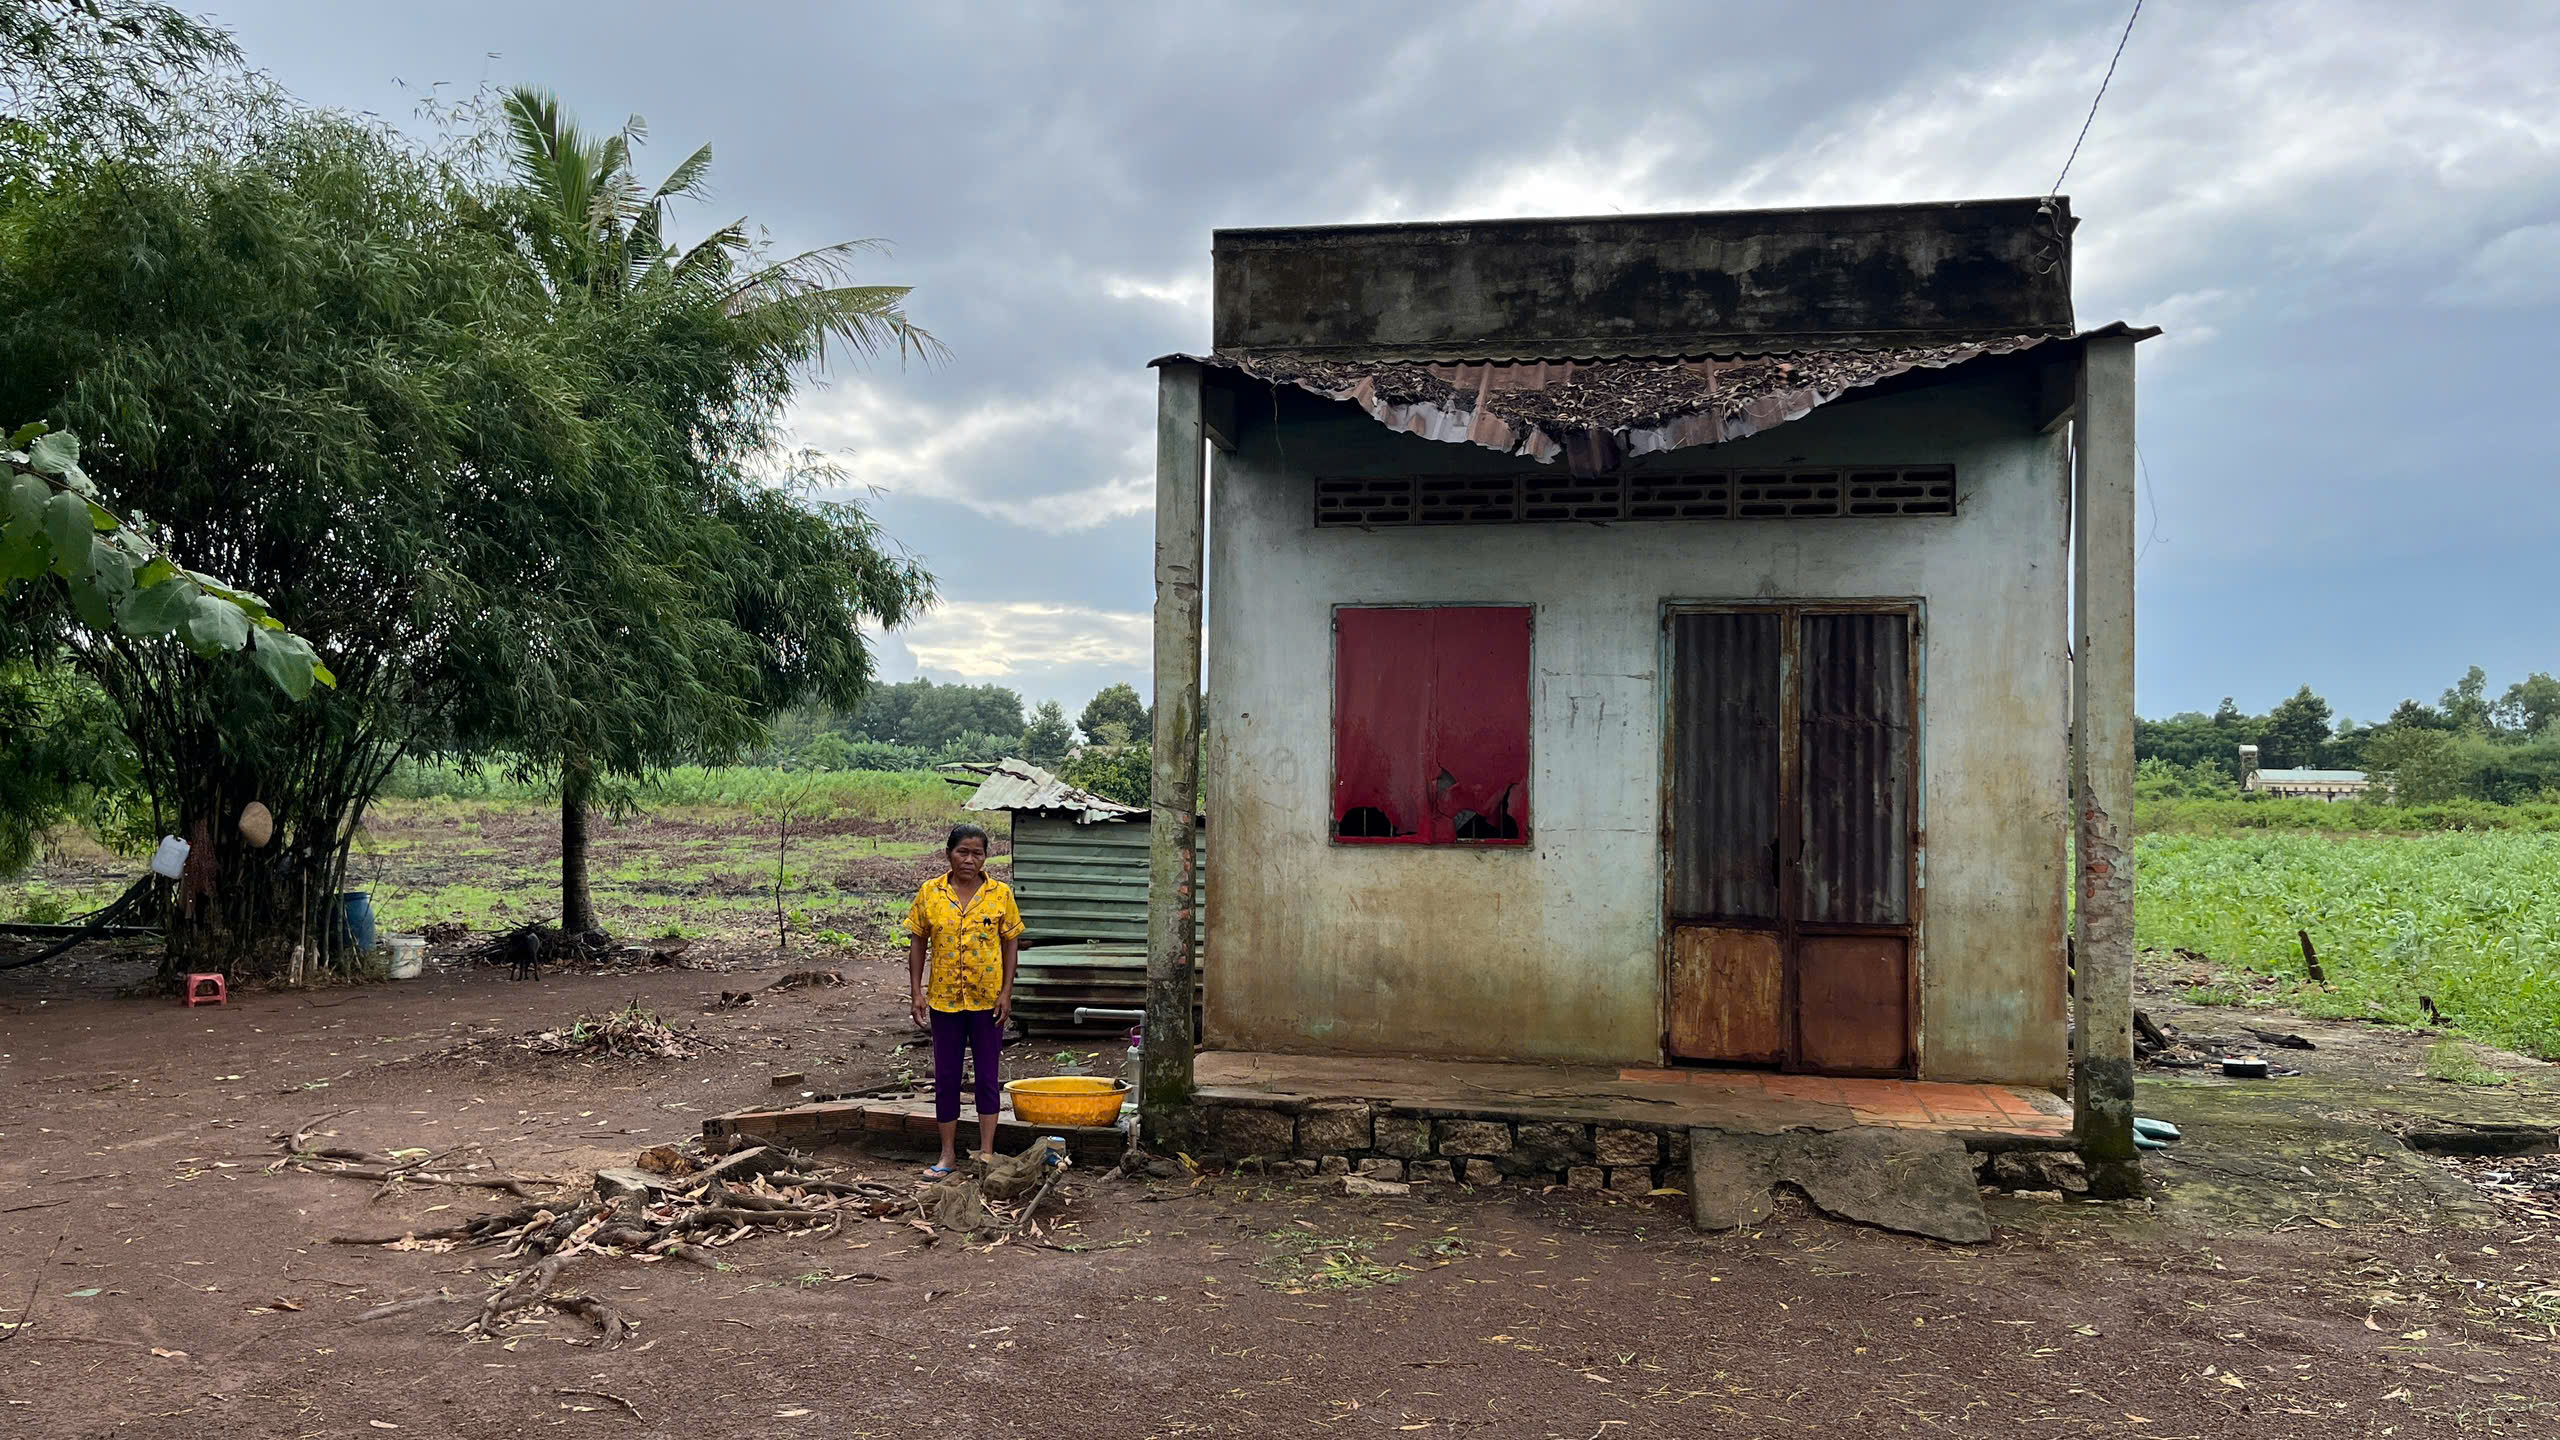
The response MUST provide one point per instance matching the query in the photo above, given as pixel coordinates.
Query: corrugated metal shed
(1083, 893)
(1022, 787)
(1055, 981)
(1080, 862)
(1080, 882)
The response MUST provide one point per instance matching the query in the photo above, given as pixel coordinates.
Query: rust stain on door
(1853, 1005)
(1728, 991)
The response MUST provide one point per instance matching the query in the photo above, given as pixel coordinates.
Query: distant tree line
(2470, 744)
(918, 724)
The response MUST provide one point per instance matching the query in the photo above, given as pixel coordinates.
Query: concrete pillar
(1165, 1081)
(2102, 513)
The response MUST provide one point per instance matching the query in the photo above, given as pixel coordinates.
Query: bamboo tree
(329, 384)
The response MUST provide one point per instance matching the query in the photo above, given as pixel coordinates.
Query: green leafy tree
(2531, 706)
(336, 385)
(930, 716)
(63, 756)
(2413, 715)
(80, 73)
(1125, 773)
(2296, 730)
(2420, 767)
(1117, 705)
(1045, 740)
(2192, 739)
(2466, 705)
(712, 334)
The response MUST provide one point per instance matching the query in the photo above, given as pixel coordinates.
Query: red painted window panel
(1431, 725)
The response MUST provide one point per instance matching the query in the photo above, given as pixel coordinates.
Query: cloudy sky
(2346, 214)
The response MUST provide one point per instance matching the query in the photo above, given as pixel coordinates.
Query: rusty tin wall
(1725, 766)
(1855, 812)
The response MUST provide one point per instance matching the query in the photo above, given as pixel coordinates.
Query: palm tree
(599, 237)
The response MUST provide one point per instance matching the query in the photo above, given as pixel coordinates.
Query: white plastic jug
(170, 860)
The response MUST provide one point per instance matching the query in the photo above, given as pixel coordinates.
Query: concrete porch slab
(1737, 1102)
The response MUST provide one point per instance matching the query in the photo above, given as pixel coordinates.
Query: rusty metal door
(1791, 837)
(1727, 983)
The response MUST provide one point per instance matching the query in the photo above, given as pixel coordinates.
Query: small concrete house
(1649, 640)
(2330, 785)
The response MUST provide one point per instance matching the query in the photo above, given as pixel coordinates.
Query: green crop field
(2468, 919)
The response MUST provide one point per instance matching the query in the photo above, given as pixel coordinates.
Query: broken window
(1431, 725)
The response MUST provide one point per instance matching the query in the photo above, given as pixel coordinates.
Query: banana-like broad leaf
(24, 558)
(116, 579)
(53, 453)
(157, 607)
(288, 661)
(26, 497)
(67, 525)
(110, 569)
(215, 626)
(91, 604)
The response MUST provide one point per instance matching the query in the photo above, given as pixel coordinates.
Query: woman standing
(968, 928)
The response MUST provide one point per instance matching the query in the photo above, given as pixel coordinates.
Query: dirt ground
(168, 1285)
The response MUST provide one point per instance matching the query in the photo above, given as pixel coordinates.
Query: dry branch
(727, 1199)
(600, 1395)
(403, 1307)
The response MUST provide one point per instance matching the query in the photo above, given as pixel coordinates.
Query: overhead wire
(2093, 100)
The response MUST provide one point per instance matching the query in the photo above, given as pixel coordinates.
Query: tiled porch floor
(1734, 1100)
(1905, 1104)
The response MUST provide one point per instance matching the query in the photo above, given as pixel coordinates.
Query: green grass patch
(2468, 919)
(2163, 814)
(2457, 1063)
(736, 792)
(2214, 995)
(1306, 1260)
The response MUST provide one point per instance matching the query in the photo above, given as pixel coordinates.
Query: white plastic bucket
(408, 955)
(170, 860)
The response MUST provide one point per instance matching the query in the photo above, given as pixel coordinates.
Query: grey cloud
(2344, 208)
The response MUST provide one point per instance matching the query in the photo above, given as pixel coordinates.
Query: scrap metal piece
(1596, 413)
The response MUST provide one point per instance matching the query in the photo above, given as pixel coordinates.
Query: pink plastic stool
(206, 990)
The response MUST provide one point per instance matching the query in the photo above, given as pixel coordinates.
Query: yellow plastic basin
(1066, 1099)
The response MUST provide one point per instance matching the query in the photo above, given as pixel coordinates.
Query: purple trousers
(978, 1033)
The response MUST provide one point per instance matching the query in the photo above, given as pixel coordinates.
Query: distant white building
(2330, 785)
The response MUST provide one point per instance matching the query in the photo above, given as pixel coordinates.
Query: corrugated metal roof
(1019, 785)
(2312, 777)
(1595, 412)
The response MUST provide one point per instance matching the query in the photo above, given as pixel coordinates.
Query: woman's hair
(962, 832)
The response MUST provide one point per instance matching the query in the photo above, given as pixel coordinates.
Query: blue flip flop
(939, 1172)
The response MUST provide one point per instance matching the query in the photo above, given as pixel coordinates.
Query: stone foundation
(1429, 1144)
(1425, 1145)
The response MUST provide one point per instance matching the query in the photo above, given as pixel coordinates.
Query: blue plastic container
(356, 910)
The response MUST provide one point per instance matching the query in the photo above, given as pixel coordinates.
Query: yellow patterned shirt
(964, 955)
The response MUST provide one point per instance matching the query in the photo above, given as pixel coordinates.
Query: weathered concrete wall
(1551, 951)
(1648, 284)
